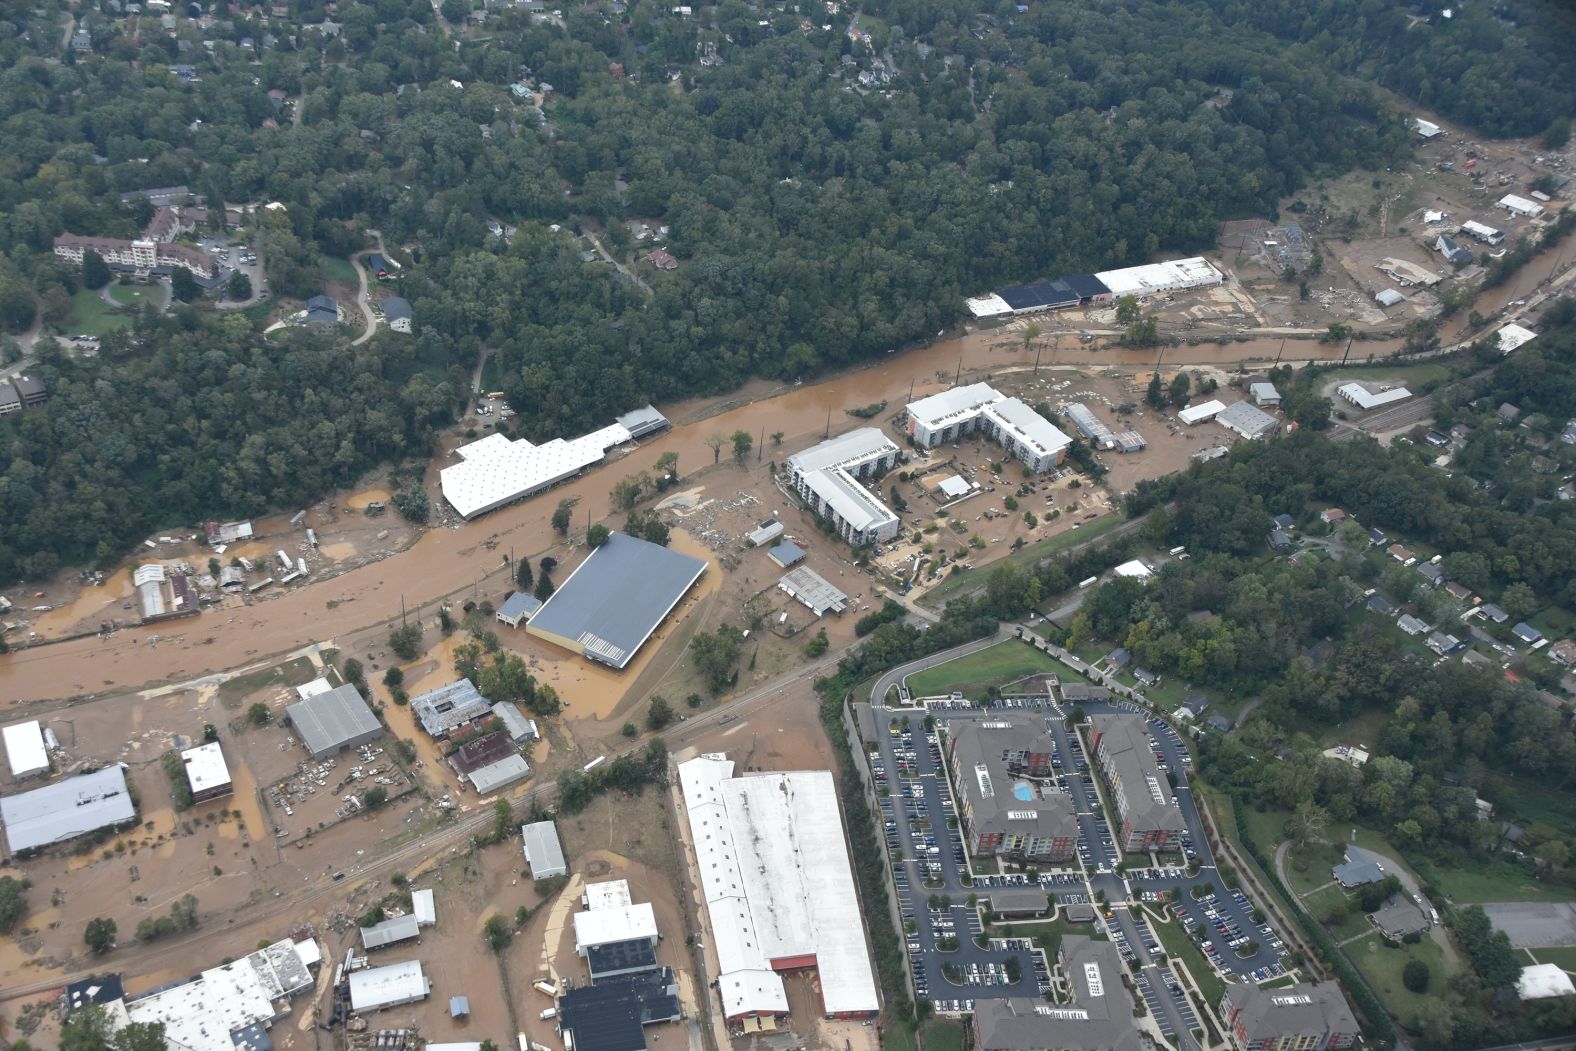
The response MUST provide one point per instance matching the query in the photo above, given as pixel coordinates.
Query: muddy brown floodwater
(447, 560)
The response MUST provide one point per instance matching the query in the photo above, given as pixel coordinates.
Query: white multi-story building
(141, 257)
(827, 476)
(1031, 439)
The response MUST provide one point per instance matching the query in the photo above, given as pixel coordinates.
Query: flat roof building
(517, 607)
(67, 809)
(390, 932)
(515, 724)
(828, 476)
(1365, 399)
(1264, 394)
(10, 400)
(448, 707)
(1482, 232)
(24, 748)
(1250, 422)
(1030, 438)
(495, 471)
(813, 590)
(779, 888)
(613, 602)
(542, 850)
(1091, 425)
(1098, 1014)
(1009, 806)
(1544, 980)
(500, 774)
(207, 774)
(424, 907)
(786, 554)
(1521, 206)
(381, 987)
(1199, 413)
(1514, 336)
(1307, 1016)
(643, 421)
(1174, 275)
(764, 533)
(612, 1014)
(332, 721)
(1149, 819)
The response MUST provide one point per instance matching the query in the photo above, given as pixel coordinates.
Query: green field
(1308, 867)
(1177, 944)
(1494, 879)
(942, 1034)
(897, 1036)
(91, 316)
(1321, 904)
(136, 295)
(1025, 556)
(291, 673)
(1000, 664)
(1562, 957)
(334, 268)
(1382, 967)
(1555, 622)
(1411, 374)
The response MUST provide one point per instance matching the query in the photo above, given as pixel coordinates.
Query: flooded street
(446, 561)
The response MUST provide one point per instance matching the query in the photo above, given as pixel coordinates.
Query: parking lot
(939, 926)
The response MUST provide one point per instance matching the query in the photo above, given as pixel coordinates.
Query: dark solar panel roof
(103, 989)
(611, 1016)
(1038, 294)
(1086, 285)
(620, 957)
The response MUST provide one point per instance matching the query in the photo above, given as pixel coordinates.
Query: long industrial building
(1148, 816)
(496, 471)
(1366, 399)
(1174, 275)
(1008, 807)
(945, 417)
(67, 809)
(614, 600)
(827, 477)
(779, 888)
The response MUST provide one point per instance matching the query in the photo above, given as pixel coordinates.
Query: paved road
(899, 675)
(363, 298)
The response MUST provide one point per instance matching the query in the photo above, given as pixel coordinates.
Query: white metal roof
(778, 884)
(24, 748)
(954, 486)
(1472, 226)
(620, 923)
(953, 405)
(849, 450)
(398, 983)
(1513, 336)
(1161, 277)
(1517, 203)
(504, 772)
(496, 470)
(1263, 391)
(1135, 568)
(1199, 413)
(1363, 398)
(205, 767)
(422, 903)
(542, 850)
(1028, 426)
(313, 688)
(814, 590)
(200, 1015)
(1544, 980)
(390, 931)
(610, 894)
(990, 305)
(66, 809)
(852, 502)
(1246, 419)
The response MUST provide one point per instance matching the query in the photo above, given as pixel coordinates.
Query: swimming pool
(1023, 791)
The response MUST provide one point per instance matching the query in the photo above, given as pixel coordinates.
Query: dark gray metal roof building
(642, 422)
(612, 1015)
(616, 958)
(334, 720)
(613, 602)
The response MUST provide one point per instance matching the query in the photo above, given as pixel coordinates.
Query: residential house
(1147, 677)
(1377, 603)
(1332, 515)
(320, 310)
(1528, 634)
(662, 259)
(1443, 644)
(1278, 540)
(396, 311)
(1432, 573)
(1494, 613)
(1453, 252)
(1411, 625)
(1284, 522)
(1118, 659)
(1459, 591)
(1507, 413)
(1563, 652)
(1402, 555)
(1376, 536)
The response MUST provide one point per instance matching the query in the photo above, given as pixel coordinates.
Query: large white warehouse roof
(497, 471)
(24, 748)
(1169, 276)
(778, 885)
(1363, 398)
(1513, 336)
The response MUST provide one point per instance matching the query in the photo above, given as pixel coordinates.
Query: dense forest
(818, 219)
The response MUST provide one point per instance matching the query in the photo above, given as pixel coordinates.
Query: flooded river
(447, 560)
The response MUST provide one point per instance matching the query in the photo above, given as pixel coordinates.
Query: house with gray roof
(1527, 633)
(440, 711)
(1357, 873)
(1399, 917)
(518, 606)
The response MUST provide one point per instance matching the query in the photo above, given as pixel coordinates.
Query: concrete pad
(1535, 924)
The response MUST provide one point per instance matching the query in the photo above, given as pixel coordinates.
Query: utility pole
(1036, 360)
(760, 446)
(1281, 351)
(828, 432)
(402, 610)
(1348, 354)
(959, 377)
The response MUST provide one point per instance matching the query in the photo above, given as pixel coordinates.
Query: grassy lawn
(897, 1036)
(1382, 967)
(1495, 879)
(91, 316)
(492, 374)
(134, 295)
(290, 673)
(1309, 866)
(1555, 622)
(942, 1034)
(1177, 944)
(334, 268)
(1320, 906)
(1279, 983)
(1266, 827)
(1534, 803)
(1000, 664)
(1562, 957)
(1028, 555)
(1401, 373)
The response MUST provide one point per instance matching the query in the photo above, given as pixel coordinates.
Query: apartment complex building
(1148, 816)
